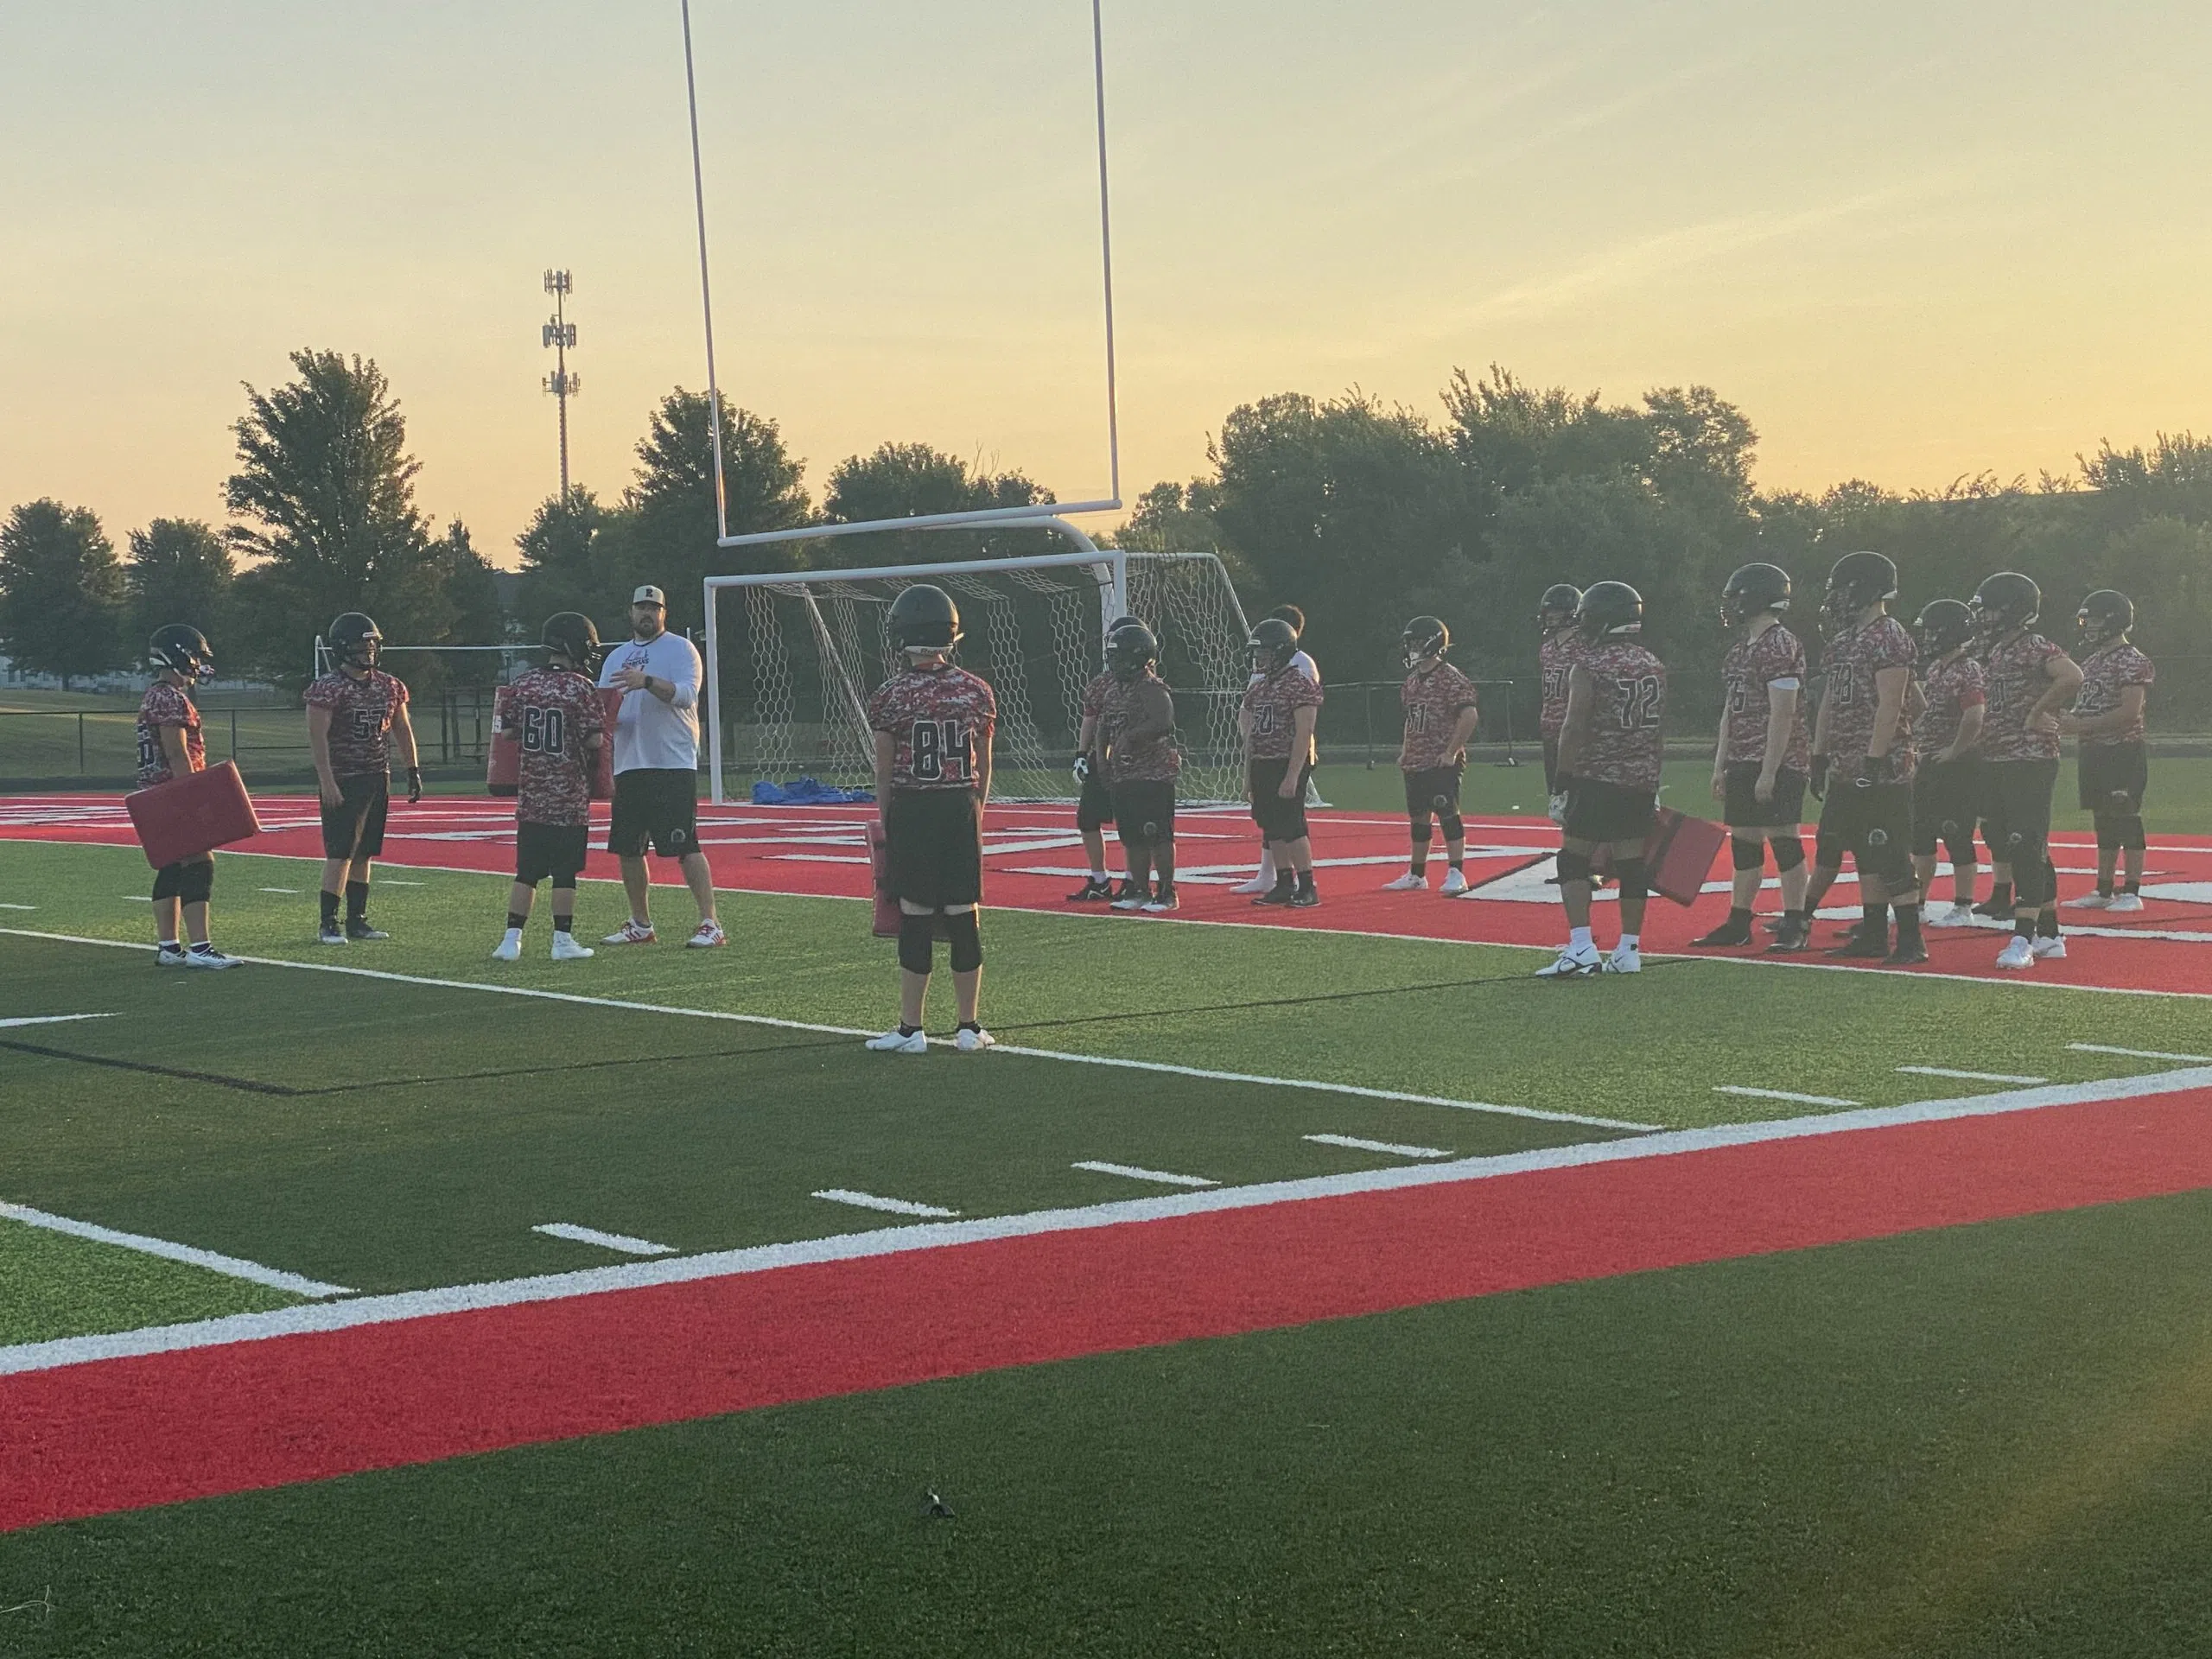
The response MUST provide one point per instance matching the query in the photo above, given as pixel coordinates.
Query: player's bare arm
(1720, 756)
(1820, 778)
(1463, 733)
(887, 749)
(2065, 676)
(1781, 725)
(1969, 737)
(983, 747)
(1301, 745)
(319, 746)
(1891, 686)
(1574, 730)
(180, 756)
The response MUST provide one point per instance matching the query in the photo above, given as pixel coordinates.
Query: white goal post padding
(793, 656)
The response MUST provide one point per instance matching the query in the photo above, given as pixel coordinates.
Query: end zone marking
(621, 1242)
(2140, 1053)
(234, 1267)
(889, 1206)
(1394, 1148)
(51, 1018)
(1781, 1093)
(1969, 1077)
(1164, 1177)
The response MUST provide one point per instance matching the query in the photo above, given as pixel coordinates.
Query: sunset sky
(1911, 238)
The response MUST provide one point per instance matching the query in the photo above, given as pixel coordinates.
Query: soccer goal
(793, 656)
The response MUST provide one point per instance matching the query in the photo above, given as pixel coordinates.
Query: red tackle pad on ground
(194, 815)
(1678, 855)
(503, 755)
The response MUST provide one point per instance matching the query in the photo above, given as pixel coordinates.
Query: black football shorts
(1095, 810)
(657, 806)
(1279, 820)
(933, 847)
(354, 828)
(1145, 809)
(2113, 778)
(1741, 808)
(1600, 812)
(551, 849)
(1433, 789)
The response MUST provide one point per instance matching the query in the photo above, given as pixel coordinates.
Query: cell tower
(560, 334)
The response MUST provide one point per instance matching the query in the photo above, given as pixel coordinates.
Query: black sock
(356, 901)
(1802, 913)
(516, 919)
(2026, 928)
(2133, 886)
(2000, 896)
(1286, 880)
(2104, 887)
(1875, 919)
(329, 910)
(906, 1030)
(1739, 916)
(1305, 880)
(1908, 924)
(564, 924)
(970, 1025)
(2047, 925)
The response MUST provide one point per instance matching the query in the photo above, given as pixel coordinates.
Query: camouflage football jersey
(1555, 661)
(1628, 707)
(1145, 702)
(361, 714)
(1273, 702)
(1747, 675)
(165, 705)
(938, 718)
(554, 712)
(1851, 662)
(1951, 688)
(2015, 675)
(1433, 702)
(2105, 674)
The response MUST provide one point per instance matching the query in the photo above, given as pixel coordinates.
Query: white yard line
(2141, 1054)
(232, 1265)
(290, 892)
(1969, 1077)
(890, 1207)
(846, 1247)
(1164, 1177)
(1780, 1094)
(1397, 1149)
(52, 1019)
(18, 906)
(621, 1242)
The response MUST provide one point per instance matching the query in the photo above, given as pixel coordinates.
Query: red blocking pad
(1678, 855)
(503, 755)
(602, 776)
(193, 815)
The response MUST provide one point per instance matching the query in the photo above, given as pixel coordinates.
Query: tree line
(1363, 513)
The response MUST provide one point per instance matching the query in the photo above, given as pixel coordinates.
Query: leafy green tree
(180, 571)
(668, 538)
(61, 592)
(908, 481)
(569, 561)
(1172, 517)
(471, 590)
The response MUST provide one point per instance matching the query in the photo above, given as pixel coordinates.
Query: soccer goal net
(793, 657)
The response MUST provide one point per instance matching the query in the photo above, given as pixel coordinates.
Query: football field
(1325, 1285)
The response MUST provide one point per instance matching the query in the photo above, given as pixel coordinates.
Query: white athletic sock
(1578, 939)
(1267, 863)
(170, 944)
(1100, 875)
(1631, 941)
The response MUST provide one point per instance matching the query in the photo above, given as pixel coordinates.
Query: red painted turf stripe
(125, 1434)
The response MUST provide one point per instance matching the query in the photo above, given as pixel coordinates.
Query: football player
(1610, 749)
(1555, 613)
(2114, 763)
(559, 725)
(2027, 681)
(1094, 808)
(1137, 741)
(1863, 753)
(356, 713)
(1947, 789)
(1263, 879)
(933, 724)
(169, 745)
(1276, 720)
(1440, 713)
(1761, 758)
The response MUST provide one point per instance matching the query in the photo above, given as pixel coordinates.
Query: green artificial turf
(51, 1285)
(1986, 1441)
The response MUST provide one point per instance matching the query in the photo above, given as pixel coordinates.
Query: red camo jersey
(936, 718)
(1951, 688)
(1554, 660)
(1746, 673)
(1145, 700)
(2104, 674)
(165, 705)
(1623, 745)
(1273, 702)
(1852, 660)
(554, 711)
(1434, 703)
(361, 714)
(1095, 694)
(2015, 675)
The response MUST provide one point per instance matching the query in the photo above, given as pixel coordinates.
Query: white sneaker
(706, 937)
(1576, 961)
(1407, 883)
(2018, 953)
(2125, 901)
(973, 1039)
(1625, 959)
(633, 933)
(1136, 900)
(1455, 883)
(1255, 884)
(1956, 916)
(565, 948)
(2050, 949)
(331, 935)
(895, 1041)
(2090, 901)
(509, 948)
(208, 957)
(169, 956)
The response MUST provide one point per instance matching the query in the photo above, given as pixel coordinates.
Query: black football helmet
(1557, 609)
(1944, 625)
(1609, 610)
(2105, 615)
(1752, 588)
(924, 619)
(1858, 580)
(183, 650)
(1130, 649)
(2004, 603)
(355, 639)
(1423, 637)
(576, 636)
(1273, 644)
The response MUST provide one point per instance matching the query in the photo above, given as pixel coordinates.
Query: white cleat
(2091, 901)
(169, 956)
(631, 932)
(509, 948)
(1956, 916)
(895, 1041)
(1625, 959)
(1455, 883)
(1576, 961)
(207, 956)
(2124, 902)
(2018, 953)
(973, 1039)
(707, 937)
(2049, 949)
(330, 936)
(1407, 883)
(565, 948)
(1131, 901)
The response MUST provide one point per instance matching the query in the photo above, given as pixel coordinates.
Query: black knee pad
(1421, 831)
(966, 936)
(1789, 852)
(1747, 855)
(1631, 873)
(2034, 882)
(1828, 851)
(1573, 867)
(917, 950)
(1454, 827)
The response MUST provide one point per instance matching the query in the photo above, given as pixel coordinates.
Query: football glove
(1817, 780)
(414, 785)
(1081, 768)
(1558, 809)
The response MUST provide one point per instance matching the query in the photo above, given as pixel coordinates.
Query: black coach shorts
(660, 805)
(1944, 792)
(1095, 810)
(933, 847)
(1145, 806)
(1603, 812)
(1433, 789)
(1741, 808)
(354, 828)
(1279, 819)
(2115, 777)
(2015, 801)
(551, 849)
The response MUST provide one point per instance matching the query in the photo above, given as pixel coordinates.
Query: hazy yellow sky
(1912, 240)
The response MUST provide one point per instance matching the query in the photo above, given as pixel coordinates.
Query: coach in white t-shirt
(657, 766)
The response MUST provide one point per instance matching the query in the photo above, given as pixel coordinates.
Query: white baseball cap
(649, 595)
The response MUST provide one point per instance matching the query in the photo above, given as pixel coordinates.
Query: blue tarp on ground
(806, 791)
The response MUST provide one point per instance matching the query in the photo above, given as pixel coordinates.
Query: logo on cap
(649, 594)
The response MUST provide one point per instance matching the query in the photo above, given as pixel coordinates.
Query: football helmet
(1943, 625)
(1752, 588)
(183, 650)
(2005, 602)
(355, 639)
(924, 619)
(1856, 580)
(1273, 644)
(1609, 610)
(1556, 609)
(1422, 638)
(1130, 649)
(2105, 614)
(576, 636)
